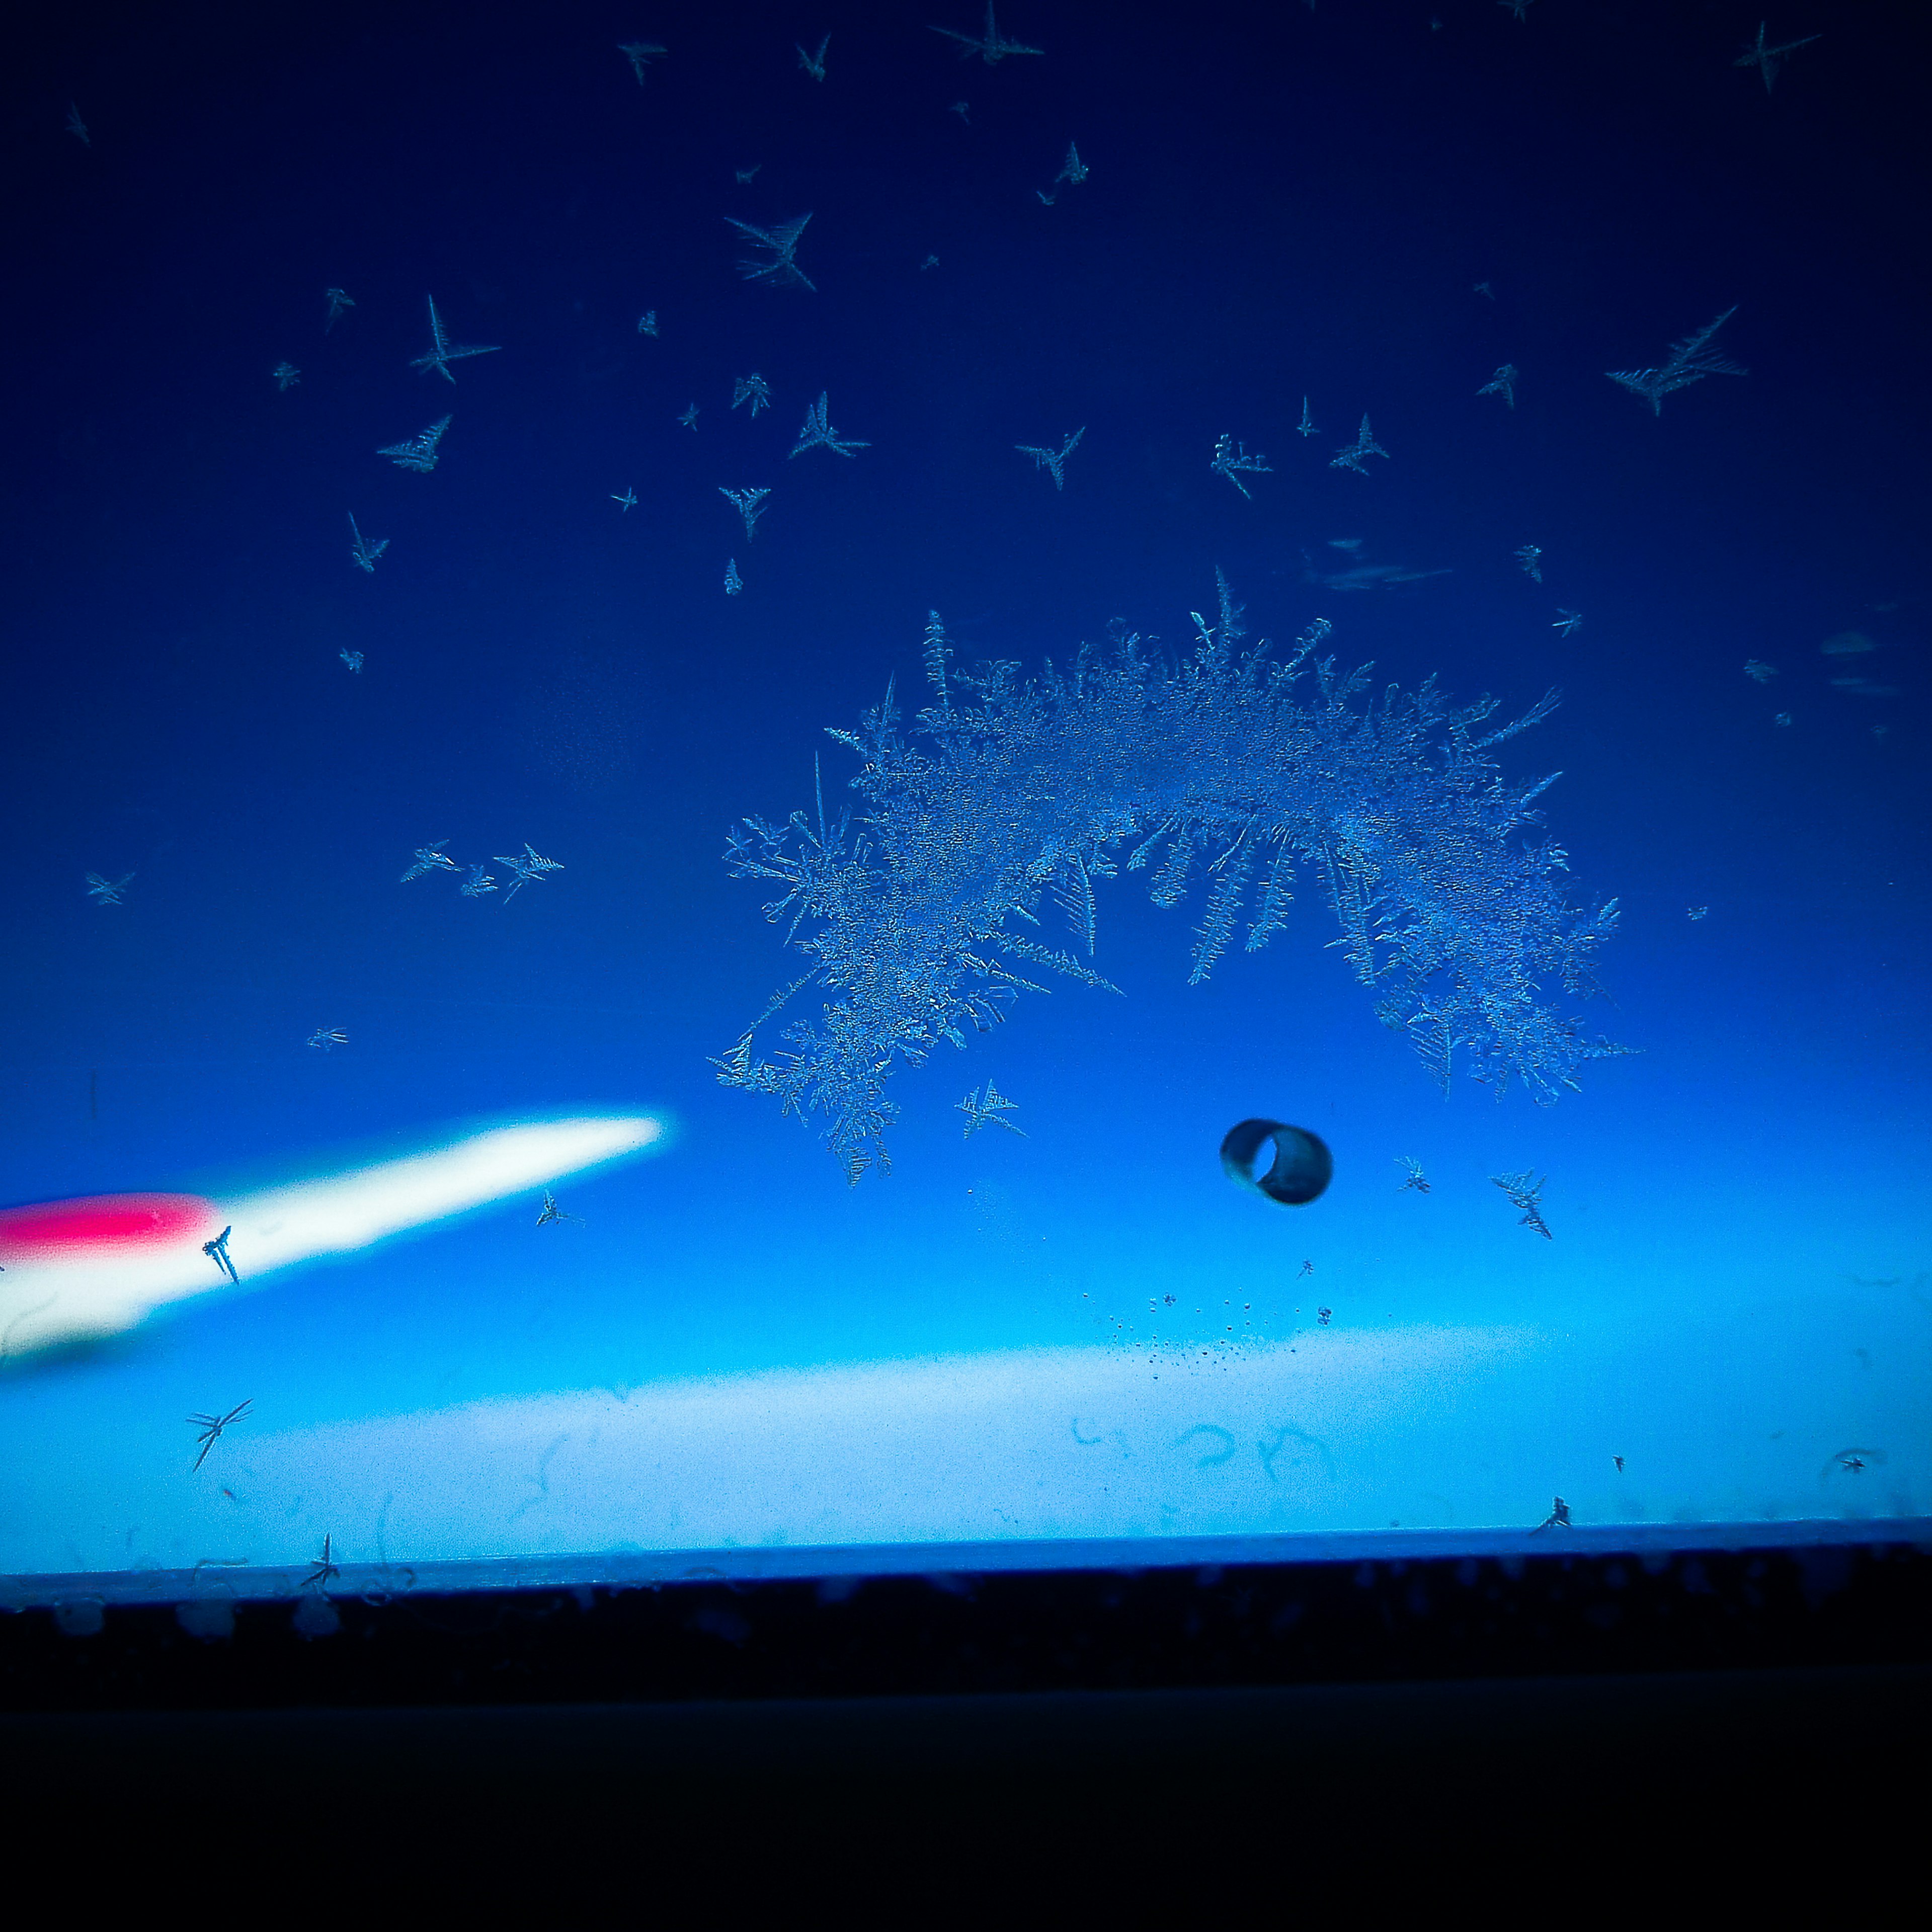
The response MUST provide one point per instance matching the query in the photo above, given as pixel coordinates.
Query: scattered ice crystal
(749, 505)
(641, 54)
(1502, 383)
(1231, 457)
(1054, 460)
(1355, 456)
(992, 46)
(781, 271)
(418, 452)
(818, 433)
(1690, 360)
(430, 858)
(1766, 59)
(363, 551)
(441, 352)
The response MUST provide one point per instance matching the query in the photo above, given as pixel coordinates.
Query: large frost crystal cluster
(921, 908)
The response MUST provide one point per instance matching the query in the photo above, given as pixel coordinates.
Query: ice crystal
(733, 582)
(750, 506)
(285, 376)
(430, 858)
(1355, 456)
(525, 866)
(625, 502)
(478, 883)
(418, 452)
(814, 63)
(1766, 59)
(647, 322)
(324, 1038)
(688, 417)
(1234, 767)
(1502, 383)
(989, 1108)
(1073, 168)
(1231, 456)
(992, 46)
(77, 127)
(1307, 425)
(1567, 622)
(1758, 671)
(818, 432)
(441, 352)
(108, 892)
(753, 389)
(338, 299)
(781, 271)
(1690, 360)
(363, 551)
(641, 54)
(1054, 459)
(1524, 1192)
(353, 659)
(1531, 557)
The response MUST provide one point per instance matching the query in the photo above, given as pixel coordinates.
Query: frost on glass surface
(919, 907)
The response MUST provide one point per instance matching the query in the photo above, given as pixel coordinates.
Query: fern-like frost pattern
(1003, 800)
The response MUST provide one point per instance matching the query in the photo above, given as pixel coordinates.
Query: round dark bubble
(1302, 1168)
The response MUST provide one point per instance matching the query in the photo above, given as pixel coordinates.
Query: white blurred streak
(44, 1302)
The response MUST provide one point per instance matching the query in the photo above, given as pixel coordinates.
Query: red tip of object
(103, 1224)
